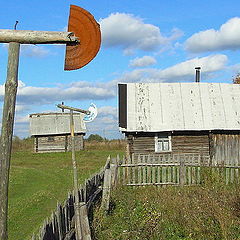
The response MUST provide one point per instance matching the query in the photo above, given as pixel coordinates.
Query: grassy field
(39, 181)
(207, 212)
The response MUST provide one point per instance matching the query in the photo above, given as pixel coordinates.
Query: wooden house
(51, 131)
(181, 118)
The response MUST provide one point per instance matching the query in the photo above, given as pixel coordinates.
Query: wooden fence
(184, 169)
(61, 225)
(139, 170)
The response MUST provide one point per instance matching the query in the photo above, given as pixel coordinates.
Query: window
(50, 139)
(163, 143)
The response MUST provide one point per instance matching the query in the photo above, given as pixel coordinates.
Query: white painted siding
(182, 106)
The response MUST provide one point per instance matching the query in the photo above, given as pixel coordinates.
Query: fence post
(182, 170)
(114, 172)
(86, 233)
(107, 164)
(106, 189)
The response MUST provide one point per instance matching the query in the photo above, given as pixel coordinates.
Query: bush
(19, 145)
(106, 145)
(172, 213)
(95, 137)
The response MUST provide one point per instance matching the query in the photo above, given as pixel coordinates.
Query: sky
(142, 41)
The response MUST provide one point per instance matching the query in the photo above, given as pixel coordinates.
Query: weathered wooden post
(106, 189)
(81, 28)
(182, 170)
(7, 132)
(114, 171)
(79, 228)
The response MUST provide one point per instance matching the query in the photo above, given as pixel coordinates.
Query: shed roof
(154, 107)
(55, 123)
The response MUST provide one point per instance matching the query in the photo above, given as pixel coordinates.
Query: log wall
(184, 143)
(59, 143)
(220, 146)
(191, 144)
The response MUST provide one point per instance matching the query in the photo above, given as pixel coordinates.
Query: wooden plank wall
(225, 147)
(61, 143)
(191, 144)
(181, 144)
(226, 152)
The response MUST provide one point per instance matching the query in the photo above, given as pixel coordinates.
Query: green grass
(39, 181)
(210, 211)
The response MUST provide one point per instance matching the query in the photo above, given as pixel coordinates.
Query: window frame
(163, 138)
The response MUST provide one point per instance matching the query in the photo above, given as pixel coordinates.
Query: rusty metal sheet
(85, 27)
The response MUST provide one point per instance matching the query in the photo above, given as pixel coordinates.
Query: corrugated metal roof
(55, 123)
(153, 107)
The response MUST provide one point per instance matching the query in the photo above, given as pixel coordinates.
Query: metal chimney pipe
(197, 74)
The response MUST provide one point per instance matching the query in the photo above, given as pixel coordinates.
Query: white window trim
(169, 138)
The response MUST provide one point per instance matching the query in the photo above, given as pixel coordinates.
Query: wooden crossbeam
(73, 109)
(37, 37)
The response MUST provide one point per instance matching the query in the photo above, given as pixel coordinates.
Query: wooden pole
(7, 133)
(75, 180)
(73, 109)
(37, 37)
(106, 190)
(86, 233)
(81, 232)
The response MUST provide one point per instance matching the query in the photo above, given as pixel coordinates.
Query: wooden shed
(181, 118)
(51, 131)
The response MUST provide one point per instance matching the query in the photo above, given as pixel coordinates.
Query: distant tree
(236, 80)
(95, 137)
(16, 138)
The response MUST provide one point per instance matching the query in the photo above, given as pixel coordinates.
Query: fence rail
(180, 169)
(60, 226)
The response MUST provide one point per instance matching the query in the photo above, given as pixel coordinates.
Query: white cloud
(105, 124)
(22, 119)
(183, 71)
(29, 95)
(107, 111)
(143, 61)
(21, 84)
(226, 38)
(31, 50)
(21, 108)
(208, 64)
(80, 84)
(131, 33)
(47, 95)
(176, 33)
(235, 68)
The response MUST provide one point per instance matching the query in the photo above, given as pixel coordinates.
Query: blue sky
(142, 41)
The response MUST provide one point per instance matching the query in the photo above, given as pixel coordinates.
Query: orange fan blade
(85, 27)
